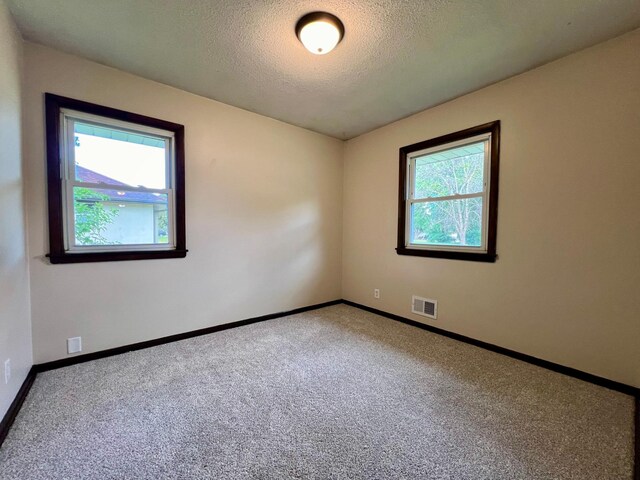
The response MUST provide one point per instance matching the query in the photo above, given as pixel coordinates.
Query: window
(116, 184)
(448, 200)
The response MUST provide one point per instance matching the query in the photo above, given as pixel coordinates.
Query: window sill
(115, 256)
(473, 257)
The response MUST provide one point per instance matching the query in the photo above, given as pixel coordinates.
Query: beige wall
(566, 285)
(15, 327)
(264, 219)
(265, 206)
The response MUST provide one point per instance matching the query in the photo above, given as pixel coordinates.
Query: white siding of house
(134, 224)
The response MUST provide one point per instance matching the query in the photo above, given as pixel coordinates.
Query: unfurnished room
(348, 239)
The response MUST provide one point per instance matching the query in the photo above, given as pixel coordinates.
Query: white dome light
(320, 32)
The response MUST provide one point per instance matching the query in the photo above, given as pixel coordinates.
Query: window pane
(112, 217)
(117, 157)
(459, 171)
(447, 222)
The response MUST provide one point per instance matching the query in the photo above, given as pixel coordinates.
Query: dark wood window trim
(57, 253)
(490, 255)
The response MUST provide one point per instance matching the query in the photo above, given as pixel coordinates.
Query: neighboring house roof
(85, 175)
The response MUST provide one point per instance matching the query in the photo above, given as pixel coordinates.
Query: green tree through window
(449, 222)
(92, 217)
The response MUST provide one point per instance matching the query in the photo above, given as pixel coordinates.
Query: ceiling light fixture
(319, 32)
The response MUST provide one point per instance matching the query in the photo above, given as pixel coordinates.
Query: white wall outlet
(7, 370)
(74, 345)
(376, 293)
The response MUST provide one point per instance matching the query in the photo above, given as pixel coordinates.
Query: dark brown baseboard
(11, 414)
(15, 406)
(65, 362)
(572, 372)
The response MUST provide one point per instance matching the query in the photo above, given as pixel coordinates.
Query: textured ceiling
(398, 57)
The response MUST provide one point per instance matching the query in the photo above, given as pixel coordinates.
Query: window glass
(135, 211)
(119, 217)
(448, 222)
(456, 171)
(116, 157)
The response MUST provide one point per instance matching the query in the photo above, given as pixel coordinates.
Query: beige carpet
(334, 393)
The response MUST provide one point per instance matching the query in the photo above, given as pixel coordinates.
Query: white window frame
(485, 194)
(67, 175)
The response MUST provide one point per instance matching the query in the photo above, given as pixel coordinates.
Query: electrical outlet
(7, 370)
(74, 345)
(376, 293)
